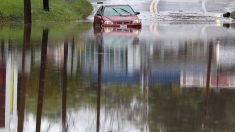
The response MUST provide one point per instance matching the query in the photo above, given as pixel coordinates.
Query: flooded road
(197, 11)
(163, 77)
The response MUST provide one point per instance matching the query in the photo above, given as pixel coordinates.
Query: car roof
(114, 5)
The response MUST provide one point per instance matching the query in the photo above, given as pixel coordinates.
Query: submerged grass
(60, 10)
(57, 31)
(233, 25)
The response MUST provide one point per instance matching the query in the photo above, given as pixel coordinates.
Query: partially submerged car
(122, 16)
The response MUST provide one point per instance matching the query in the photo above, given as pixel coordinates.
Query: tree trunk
(42, 80)
(27, 12)
(46, 5)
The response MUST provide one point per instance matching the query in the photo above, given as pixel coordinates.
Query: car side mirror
(137, 13)
(98, 14)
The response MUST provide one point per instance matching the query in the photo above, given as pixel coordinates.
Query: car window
(99, 11)
(118, 11)
(109, 11)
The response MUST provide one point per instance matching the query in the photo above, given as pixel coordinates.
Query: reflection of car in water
(120, 46)
(116, 16)
(117, 36)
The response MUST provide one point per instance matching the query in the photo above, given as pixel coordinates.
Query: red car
(122, 16)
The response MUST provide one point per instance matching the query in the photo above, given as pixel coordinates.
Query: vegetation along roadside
(60, 10)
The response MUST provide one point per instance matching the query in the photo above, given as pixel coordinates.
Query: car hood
(121, 18)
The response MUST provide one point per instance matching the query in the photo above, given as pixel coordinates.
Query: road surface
(177, 10)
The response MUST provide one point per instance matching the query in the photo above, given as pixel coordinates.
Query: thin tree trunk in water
(72, 58)
(27, 12)
(21, 107)
(41, 79)
(208, 78)
(100, 51)
(64, 91)
(46, 5)
(206, 97)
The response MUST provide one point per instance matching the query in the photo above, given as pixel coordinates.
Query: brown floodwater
(164, 77)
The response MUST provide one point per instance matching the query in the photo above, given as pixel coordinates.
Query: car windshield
(118, 11)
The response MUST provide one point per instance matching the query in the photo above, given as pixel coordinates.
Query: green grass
(233, 15)
(60, 10)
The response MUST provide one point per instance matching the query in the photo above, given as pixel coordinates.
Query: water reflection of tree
(64, 89)
(53, 93)
(41, 80)
(176, 109)
(185, 110)
(22, 88)
(171, 108)
(99, 82)
(122, 104)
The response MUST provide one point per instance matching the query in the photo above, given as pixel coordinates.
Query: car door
(98, 16)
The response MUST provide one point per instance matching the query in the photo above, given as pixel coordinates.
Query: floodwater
(166, 77)
(197, 11)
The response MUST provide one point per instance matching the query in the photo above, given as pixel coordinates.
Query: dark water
(163, 77)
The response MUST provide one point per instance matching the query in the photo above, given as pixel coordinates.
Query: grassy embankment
(60, 10)
(233, 15)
